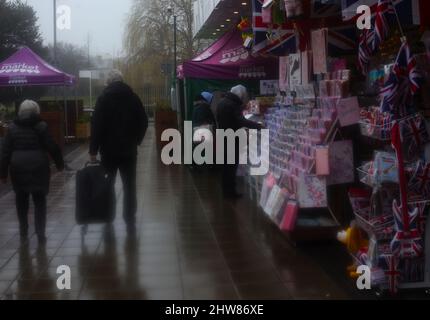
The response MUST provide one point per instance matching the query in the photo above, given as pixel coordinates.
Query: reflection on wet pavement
(190, 244)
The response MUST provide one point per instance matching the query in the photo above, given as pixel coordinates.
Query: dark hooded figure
(25, 155)
(119, 125)
(230, 116)
(202, 113)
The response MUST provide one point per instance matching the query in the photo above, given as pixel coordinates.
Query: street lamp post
(55, 32)
(175, 50)
(171, 12)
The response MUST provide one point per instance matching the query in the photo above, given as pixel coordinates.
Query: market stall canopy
(228, 59)
(25, 68)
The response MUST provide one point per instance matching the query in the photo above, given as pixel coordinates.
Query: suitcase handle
(92, 164)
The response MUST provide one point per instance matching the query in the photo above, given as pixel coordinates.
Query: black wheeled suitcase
(95, 196)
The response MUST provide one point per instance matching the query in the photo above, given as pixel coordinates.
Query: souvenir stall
(349, 139)
(224, 64)
(310, 158)
(25, 68)
(391, 204)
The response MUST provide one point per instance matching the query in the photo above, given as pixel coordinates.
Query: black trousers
(127, 171)
(229, 172)
(22, 206)
(229, 178)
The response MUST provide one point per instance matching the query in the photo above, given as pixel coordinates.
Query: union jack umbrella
(365, 49)
(390, 264)
(406, 68)
(385, 14)
(403, 82)
(414, 135)
(420, 182)
(407, 242)
(394, 97)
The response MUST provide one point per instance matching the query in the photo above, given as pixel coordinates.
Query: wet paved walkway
(191, 245)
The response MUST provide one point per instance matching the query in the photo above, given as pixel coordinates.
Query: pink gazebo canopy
(227, 59)
(25, 68)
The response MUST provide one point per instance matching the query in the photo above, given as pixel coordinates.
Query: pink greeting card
(312, 191)
(341, 157)
(348, 111)
(322, 161)
(290, 216)
(319, 40)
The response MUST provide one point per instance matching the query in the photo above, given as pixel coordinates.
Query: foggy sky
(104, 20)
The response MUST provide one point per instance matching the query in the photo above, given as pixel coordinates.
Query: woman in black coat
(25, 155)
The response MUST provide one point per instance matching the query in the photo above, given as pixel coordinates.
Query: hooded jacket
(119, 123)
(202, 114)
(230, 116)
(25, 151)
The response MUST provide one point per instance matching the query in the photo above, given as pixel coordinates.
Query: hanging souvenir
(407, 242)
(294, 8)
(278, 15)
(319, 40)
(414, 136)
(390, 264)
(419, 184)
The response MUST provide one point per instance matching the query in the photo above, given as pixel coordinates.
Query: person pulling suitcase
(118, 126)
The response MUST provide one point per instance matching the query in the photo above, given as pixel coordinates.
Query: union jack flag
(423, 208)
(420, 182)
(293, 35)
(407, 242)
(365, 49)
(406, 67)
(385, 12)
(274, 39)
(407, 10)
(403, 82)
(414, 134)
(390, 264)
(342, 40)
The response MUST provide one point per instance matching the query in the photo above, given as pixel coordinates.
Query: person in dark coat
(230, 116)
(202, 113)
(25, 155)
(119, 125)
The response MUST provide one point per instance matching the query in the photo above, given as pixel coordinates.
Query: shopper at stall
(25, 151)
(230, 116)
(202, 113)
(118, 127)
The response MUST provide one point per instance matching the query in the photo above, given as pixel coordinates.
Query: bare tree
(149, 37)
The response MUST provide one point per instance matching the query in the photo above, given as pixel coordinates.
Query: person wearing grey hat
(230, 116)
(25, 156)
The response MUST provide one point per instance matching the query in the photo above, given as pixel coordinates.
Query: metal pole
(55, 32)
(174, 48)
(91, 89)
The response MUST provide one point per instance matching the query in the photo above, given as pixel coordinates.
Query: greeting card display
(312, 191)
(341, 157)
